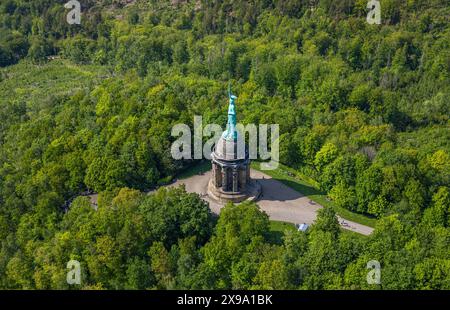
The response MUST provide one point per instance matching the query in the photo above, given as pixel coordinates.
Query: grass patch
(277, 229)
(294, 180)
(34, 84)
(353, 234)
(198, 168)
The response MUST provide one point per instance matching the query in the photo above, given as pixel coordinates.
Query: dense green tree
(327, 221)
(40, 48)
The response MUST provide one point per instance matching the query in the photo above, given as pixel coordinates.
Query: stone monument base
(252, 192)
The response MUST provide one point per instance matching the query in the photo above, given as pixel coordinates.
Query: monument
(230, 180)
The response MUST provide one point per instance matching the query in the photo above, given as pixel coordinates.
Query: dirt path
(279, 201)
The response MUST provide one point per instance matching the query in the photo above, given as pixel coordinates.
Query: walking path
(279, 201)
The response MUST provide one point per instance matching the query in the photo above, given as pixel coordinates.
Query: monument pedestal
(251, 193)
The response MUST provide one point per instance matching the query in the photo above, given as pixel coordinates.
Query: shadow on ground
(285, 190)
(304, 189)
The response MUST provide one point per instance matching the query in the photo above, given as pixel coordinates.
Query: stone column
(235, 180)
(213, 174)
(247, 171)
(224, 179)
(243, 178)
(217, 176)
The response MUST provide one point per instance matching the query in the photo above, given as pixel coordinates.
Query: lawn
(277, 230)
(201, 167)
(34, 83)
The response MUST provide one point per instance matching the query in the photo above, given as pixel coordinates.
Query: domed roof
(228, 150)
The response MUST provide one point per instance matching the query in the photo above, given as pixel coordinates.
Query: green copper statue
(230, 133)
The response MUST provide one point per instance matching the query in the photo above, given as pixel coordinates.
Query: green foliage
(40, 48)
(363, 112)
(327, 221)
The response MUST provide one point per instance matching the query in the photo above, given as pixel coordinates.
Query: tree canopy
(363, 111)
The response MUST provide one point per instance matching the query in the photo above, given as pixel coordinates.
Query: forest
(363, 111)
